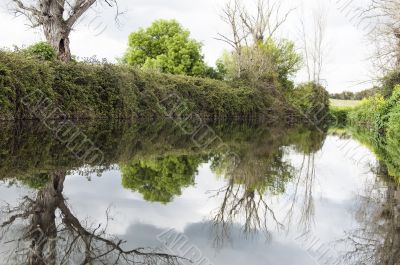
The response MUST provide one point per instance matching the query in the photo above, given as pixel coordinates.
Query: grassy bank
(376, 123)
(89, 90)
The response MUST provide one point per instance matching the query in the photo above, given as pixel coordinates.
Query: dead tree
(314, 44)
(57, 19)
(248, 29)
(383, 20)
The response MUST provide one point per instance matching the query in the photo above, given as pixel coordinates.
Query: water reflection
(160, 179)
(159, 162)
(43, 231)
(377, 240)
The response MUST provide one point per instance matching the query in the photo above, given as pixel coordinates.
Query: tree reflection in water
(262, 173)
(377, 240)
(44, 231)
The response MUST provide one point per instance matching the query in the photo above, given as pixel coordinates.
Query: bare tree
(247, 29)
(383, 19)
(314, 44)
(57, 18)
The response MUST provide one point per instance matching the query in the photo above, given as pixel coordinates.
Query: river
(229, 194)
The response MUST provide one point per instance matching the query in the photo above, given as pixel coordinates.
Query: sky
(347, 49)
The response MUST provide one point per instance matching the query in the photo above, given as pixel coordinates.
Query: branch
(80, 7)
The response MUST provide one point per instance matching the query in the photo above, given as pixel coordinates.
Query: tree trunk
(43, 227)
(59, 40)
(56, 29)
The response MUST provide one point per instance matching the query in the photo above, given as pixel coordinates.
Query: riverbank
(375, 122)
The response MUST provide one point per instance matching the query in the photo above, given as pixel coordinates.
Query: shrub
(366, 114)
(339, 115)
(311, 101)
(42, 51)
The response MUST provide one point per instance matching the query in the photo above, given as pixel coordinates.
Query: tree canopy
(167, 47)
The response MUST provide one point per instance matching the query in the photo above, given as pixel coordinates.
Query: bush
(379, 119)
(366, 114)
(339, 115)
(42, 51)
(311, 101)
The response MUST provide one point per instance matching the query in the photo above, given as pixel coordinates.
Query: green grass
(344, 103)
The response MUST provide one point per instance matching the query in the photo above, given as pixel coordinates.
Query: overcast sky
(348, 50)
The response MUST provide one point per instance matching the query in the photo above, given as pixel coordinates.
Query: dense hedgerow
(99, 90)
(94, 89)
(379, 121)
(339, 115)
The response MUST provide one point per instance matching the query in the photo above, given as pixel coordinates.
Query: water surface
(256, 195)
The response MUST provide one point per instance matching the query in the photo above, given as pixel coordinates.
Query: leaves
(167, 47)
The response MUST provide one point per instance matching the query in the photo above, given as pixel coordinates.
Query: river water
(249, 194)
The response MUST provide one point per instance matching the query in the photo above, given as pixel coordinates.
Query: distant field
(344, 103)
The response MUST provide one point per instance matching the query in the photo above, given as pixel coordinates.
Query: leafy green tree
(167, 47)
(285, 59)
(160, 179)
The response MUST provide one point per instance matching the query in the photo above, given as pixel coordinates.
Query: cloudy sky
(346, 66)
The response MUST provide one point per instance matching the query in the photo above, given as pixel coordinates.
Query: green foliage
(388, 111)
(101, 90)
(285, 59)
(265, 61)
(36, 181)
(167, 47)
(160, 179)
(379, 120)
(367, 112)
(42, 51)
(6, 93)
(20, 76)
(339, 115)
(311, 101)
(95, 89)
